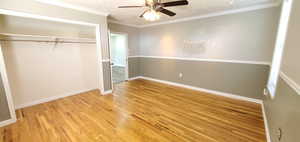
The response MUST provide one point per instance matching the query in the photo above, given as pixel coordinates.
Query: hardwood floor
(139, 111)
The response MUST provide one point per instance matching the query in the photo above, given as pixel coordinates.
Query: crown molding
(70, 6)
(225, 12)
(40, 17)
(129, 25)
(215, 14)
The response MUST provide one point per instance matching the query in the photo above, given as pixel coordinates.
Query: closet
(45, 61)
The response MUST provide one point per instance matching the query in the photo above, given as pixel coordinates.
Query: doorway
(118, 57)
(9, 104)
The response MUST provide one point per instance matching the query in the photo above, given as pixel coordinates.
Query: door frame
(8, 94)
(126, 55)
(5, 80)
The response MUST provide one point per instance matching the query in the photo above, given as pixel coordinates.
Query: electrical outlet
(180, 75)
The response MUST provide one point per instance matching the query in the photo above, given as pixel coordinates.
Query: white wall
(41, 70)
(118, 49)
(20, 25)
(37, 8)
(290, 61)
(246, 36)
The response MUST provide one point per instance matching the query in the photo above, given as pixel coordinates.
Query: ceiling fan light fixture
(155, 7)
(151, 15)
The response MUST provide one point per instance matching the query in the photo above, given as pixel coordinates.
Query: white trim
(119, 65)
(215, 14)
(110, 58)
(45, 36)
(136, 56)
(7, 122)
(206, 60)
(213, 92)
(106, 92)
(105, 60)
(40, 101)
(34, 16)
(290, 82)
(70, 6)
(6, 86)
(124, 24)
(134, 78)
(267, 130)
(99, 58)
(279, 46)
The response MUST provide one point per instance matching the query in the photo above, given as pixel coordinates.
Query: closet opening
(118, 57)
(43, 59)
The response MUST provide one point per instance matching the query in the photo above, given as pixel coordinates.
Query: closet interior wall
(41, 71)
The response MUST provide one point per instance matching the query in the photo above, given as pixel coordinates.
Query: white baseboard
(290, 82)
(40, 101)
(229, 95)
(266, 123)
(7, 122)
(107, 92)
(134, 78)
(118, 65)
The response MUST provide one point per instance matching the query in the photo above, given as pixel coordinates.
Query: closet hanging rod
(48, 41)
(43, 36)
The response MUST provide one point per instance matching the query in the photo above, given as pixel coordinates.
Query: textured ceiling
(131, 15)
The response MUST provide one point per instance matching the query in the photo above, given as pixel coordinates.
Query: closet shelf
(56, 39)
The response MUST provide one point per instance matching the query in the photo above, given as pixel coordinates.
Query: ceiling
(131, 15)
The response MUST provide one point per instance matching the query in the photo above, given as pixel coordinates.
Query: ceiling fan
(156, 6)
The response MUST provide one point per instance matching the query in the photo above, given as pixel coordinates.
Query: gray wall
(4, 110)
(106, 76)
(248, 36)
(283, 111)
(134, 67)
(242, 79)
(243, 36)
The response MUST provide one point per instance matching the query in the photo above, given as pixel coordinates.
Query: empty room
(149, 71)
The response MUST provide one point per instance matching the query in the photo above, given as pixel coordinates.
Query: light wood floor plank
(139, 111)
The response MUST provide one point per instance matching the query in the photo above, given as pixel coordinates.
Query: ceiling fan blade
(143, 14)
(167, 12)
(175, 3)
(130, 6)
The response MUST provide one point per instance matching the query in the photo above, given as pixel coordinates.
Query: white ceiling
(131, 15)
